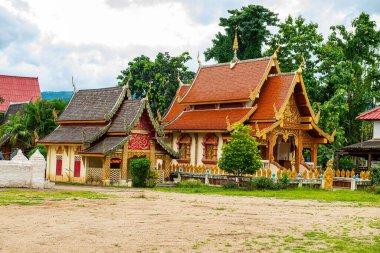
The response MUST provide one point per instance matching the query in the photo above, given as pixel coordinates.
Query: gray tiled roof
(125, 115)
(104, 145)
(72, 134)
(92, 104)
(13, 108)
(370, 144)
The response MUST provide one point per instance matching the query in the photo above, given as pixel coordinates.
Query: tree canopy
(160, 77)
(240, 155)
(252, 24)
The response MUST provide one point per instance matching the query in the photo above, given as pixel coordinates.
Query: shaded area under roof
(73, 134)
(221, 83)
(92, 104)
(362, 149)
(207, 119)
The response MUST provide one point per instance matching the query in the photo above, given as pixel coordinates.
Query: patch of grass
(35, 197)
(297, 193)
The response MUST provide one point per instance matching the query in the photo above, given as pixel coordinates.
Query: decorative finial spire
(129, 94)
(74, 86)
(235, 46)
(276, 52)
(199, 61)
(179, 80)
(299, 71)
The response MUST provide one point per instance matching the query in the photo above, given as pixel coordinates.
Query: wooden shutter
(58, 166)
(77, 167)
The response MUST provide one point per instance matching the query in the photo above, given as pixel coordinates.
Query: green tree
(17, 131)
(240, 155)
(299, 40)
(252, 24)
(39, 116)
(350, 61)
(159, 76)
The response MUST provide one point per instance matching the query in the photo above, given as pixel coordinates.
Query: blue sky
(93, 40)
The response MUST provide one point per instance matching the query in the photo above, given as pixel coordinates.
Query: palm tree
(17, 131)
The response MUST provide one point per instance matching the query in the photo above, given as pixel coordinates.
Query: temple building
(253, 92)
(99, 132)
(16, 91)
(368, 150)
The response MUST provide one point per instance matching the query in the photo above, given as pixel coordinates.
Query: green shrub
(264, 183)
(375, 176)
(140, 171)
(151, 181)
(191, 183)
(228, 186)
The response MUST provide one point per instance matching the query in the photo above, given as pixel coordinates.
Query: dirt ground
(149, 221)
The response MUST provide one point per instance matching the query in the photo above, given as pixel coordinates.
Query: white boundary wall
(21, 172)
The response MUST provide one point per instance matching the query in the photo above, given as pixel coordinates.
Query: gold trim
(330, 138)
(116, 133)
(93, 155)
(253, 94)
(140, 131)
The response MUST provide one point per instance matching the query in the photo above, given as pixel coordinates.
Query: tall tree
(159, 76)
(350, 61)
(299, 40)
(241, 154)
(252, 24)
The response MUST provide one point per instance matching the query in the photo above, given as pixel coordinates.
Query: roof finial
(235, 46)
(199, 61)
(299, 71)
(129, 94)
(276, 52)
(74, 86)
(179, 80)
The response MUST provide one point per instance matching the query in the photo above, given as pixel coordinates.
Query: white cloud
(94, 39)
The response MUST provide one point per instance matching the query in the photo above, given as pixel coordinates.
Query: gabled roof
(175, 108)
(128, 111)
(221, 83)
(207, 119)
(106, 145)
(18, 89)
(373, 114)
(274, 93)
(13, 108)
(93, 105)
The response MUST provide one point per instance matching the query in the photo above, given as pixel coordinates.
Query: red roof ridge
(364, 114)
(30, 77)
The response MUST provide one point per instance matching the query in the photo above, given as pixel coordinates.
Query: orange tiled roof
(175, 108)
(207, 119)
(221, 83)
(274, 91)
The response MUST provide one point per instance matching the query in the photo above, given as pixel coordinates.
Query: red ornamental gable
(143, 123)
(139, 142)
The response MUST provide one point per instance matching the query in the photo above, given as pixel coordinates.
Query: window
(184, 145)
(77, 161)
(210, 149)
(58, 165)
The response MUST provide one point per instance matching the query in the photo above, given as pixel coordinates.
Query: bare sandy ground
(148, 221)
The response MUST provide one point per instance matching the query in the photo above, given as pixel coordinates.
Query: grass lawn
(297, 193)
(35, 197)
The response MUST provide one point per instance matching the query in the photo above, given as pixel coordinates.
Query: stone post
(38, 170)
(353, 184)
